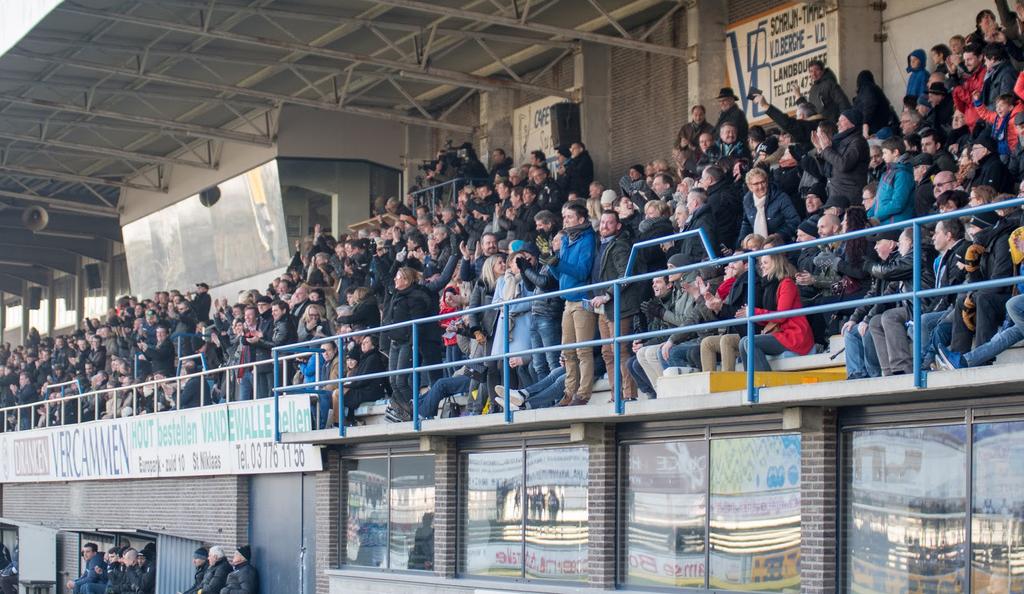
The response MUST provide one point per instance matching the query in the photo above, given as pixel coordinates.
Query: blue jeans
(764, 345)
(452, 353)
(323, 407)
(245, 387)
(439, 390)
(1010, 334)
(643, 384)
(546, 392)
(930, 321)
(545, 332)
(684, 354)
(861, 358)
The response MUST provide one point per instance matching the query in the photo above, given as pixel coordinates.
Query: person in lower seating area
(861, 358)
(244, 579)
(778, 293)
(543, 394)
(217, 573)
(200, 561)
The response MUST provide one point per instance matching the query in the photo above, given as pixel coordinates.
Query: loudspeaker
(565, 124)
(35, 218)
(35, 295)
(92, 276)
(209, 196)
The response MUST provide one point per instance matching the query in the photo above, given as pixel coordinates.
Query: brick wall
(649, 100)
(446, 518)
(818, 498)
(328, 539)
(601, 508)
(214, 510)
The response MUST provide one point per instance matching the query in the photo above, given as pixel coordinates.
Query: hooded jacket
(575, 261)
(872, 103)
(828, 97)
(917, 82)
(895, 199)
(849, 157)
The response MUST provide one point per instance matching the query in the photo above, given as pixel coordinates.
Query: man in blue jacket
(94, 575)
(571, 262)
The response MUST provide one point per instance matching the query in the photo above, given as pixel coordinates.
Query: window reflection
(556, 520)
(492, 528)
(755, 513)
(367, 524)
(906, 510)
(664, 507)
(412, 512)
(997, 519)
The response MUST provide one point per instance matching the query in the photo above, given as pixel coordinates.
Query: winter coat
(849, 157)
(941, 116)
(996, 262)
(408, 304)
(917, 82)
(371, 362)
(872, 103)
(963, 94)
(579, 172)
(651, 258)
(999, 80)
(520, 323)
(613, 266)
(725, 199)
(1001, 128)
(735, 116)
(574, 262)
(793, 333)
(992, 172)
(692, 247)
(365, 314)
(800, 130)
(948, 274)
(781, 216)
(828, 97)
(198, 585)
(243, 580)
(895, 199)
(537, 282)
(282, 332)
(161, 358)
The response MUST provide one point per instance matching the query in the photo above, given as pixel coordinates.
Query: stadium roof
(104, 95)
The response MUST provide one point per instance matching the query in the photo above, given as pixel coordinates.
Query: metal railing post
(277, 398)
(341, 388)
(415, 377)
(920, 379)
(620, 405)
(752, 390)
(506, 366)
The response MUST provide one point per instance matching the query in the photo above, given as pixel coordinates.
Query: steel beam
(45, 257)
(182, 127)
(23, 238)
(454, 77)
(25, 273)
(11, 285)
(62, 222)
(63, 204)
(103, 150)
(72, 177)
(246, 91)
(303, 14)
(502, 21)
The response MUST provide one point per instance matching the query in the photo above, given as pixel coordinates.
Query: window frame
(966, 412)
(369, 453)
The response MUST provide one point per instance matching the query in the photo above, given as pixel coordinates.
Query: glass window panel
(664, 509)
(556, 519)
(367, 525)
(906, 506)
(12, 316)
(997, 514)
(755, 513)
(412, 512)
(492, 528)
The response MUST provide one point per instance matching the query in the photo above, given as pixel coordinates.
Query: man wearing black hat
(826, 95)
(201, 302)
(244, 579)
(991, 171)
(924, 193)
(847, 153)
(199, 561)
(941, 115)
(1015, 162)
(731, 114)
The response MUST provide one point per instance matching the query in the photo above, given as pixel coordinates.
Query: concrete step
(693, 384)
(1011, 356)
(809, 362)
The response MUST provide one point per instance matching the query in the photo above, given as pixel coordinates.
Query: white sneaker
(517, 398)
(672, 371)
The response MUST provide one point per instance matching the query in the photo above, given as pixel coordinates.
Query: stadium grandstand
(545, 296)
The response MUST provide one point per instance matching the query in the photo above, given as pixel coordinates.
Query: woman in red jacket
(778, 293)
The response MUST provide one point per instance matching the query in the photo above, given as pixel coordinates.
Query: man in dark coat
(826, 95)
(161, 355)
(217, 573)
(991, 171)
(988, 258)
(872, 103)
(577, 171)
(941, 115)
(201, 302)
(201, 564)
(725, 199)
(731, 114)
(244, 579)
(847, 152)
(701, 216)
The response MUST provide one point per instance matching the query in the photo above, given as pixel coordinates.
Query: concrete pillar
(819, 488)
(446, 507)
(110, 276)
(328, 535)
(24, 312)
(602, 499)
(706, 68)
(51, 308)
(592, 77)
(855, 48)
(79, 294)
(495, 123)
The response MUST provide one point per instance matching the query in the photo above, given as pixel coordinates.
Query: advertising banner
(236, 438)
(531, 129)
(771, 51)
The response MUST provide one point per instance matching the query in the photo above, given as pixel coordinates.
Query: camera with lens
(754, 92)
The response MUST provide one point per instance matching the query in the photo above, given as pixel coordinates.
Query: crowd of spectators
(849, 159)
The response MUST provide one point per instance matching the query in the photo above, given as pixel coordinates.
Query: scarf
(761, 219)
(574, 232)
(511, 288)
